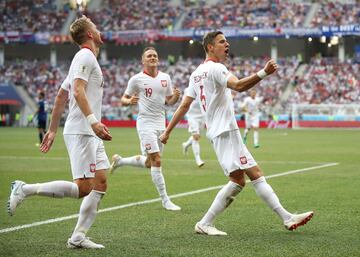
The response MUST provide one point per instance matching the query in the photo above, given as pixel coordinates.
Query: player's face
(96, 35)
(253, 94)
(150, 59)
(221, 48)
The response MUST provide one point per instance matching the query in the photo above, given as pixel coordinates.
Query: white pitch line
(6, 230)
(165, 159)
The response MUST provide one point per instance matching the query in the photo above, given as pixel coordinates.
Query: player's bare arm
(129, 100)
(171, 100)
(80, 96)
(246, 83)
(178, 115)
(59, 107)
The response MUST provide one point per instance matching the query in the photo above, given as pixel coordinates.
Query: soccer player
(152, 90)
(41, 116)
(83, 135)
(252, 116)
(210, 85)
(196, 121)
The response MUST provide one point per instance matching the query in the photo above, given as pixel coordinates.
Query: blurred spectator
(327, 81)
(335, 13)
(31, 16)
(248, 14)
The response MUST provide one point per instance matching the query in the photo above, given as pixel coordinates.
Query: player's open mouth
(227, 51)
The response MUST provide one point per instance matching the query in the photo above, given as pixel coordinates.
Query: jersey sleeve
(169, 89)
(66, 84)
(84, 65)
(131, 88)
(221, 74)
(190, 90)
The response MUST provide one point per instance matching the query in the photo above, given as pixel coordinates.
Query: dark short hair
(209, 38)
(147, 49)
(42, 94)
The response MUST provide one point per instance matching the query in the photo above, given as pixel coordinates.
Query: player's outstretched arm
(246, 83)
(59, 106)
(178, 115)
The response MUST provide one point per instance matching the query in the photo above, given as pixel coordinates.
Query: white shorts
(231, 152)
(195, 124)
(87, 155)
(252, 121)
(150, 142)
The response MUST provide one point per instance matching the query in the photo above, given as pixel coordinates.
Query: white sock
(264, 190)
(256, 137)
(88, 210)
(222, 200)
(189, 142)
(56, 189)
(196, 150)
(246, 131)
(158, 180)
(135, 161)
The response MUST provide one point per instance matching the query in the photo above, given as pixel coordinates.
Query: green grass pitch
(148, 230)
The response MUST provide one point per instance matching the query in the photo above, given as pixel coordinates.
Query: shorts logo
(148, 147)
(243, 160)
(163, 83)
(92, 167)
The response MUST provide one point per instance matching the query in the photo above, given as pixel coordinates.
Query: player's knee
(100, 184)
(147, 162)
(238, 178)
(196, 137)
(155, 160)
(85, 187)
(241, 182)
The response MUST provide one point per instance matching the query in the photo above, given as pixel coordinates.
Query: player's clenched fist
(270, 67)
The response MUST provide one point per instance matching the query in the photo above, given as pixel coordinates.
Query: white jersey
(208, 85)
(252, 105)
(66, 84)
(194, 110)
(152, 93)
(86, 67)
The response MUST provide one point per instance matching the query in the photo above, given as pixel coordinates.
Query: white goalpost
(325, 116)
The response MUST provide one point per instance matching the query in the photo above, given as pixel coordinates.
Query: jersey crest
(164, 83)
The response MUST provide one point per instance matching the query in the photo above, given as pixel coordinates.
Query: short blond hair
(78, 29)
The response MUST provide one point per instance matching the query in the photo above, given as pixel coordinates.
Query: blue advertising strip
(137, 36)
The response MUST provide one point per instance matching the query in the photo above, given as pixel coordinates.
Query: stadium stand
(135, 15)
(326, 81)
(335, 13)
(31, 16)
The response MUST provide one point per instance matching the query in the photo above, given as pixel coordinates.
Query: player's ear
(89, 34)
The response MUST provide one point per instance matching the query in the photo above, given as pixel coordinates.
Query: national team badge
(243, 160)
(92, 167)
(164, 83)
(148, 147)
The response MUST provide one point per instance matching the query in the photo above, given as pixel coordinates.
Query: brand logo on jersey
(163, 83)
(148, 147)
(243, 160)
(92, 167)
(83, 68)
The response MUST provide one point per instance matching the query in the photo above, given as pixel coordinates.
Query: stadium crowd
(31, 16)
(135, 15)
(259, 14)
(45, 16)
(334, 13)
(327, 81)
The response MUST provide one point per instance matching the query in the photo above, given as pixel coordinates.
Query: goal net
(325, 116)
